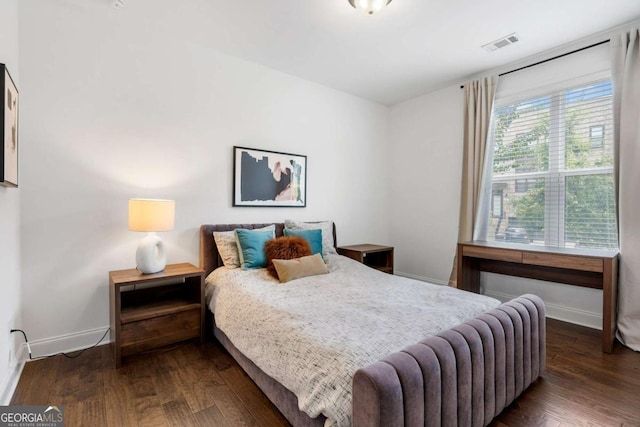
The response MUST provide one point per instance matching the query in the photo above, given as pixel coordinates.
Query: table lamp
(151, 215)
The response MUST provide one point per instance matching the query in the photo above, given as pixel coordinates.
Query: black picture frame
(9, 97)
(264, 178)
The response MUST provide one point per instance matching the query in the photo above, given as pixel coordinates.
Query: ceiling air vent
(501, 42)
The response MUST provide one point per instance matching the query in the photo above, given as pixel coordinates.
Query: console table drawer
(563, 261)
(492, 253)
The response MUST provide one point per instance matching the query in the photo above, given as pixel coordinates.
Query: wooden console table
(579, 267)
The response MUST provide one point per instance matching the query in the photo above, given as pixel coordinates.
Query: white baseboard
(68, 342)
(560, 312)
(8, 387)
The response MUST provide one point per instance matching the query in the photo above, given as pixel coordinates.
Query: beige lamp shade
(151, 215)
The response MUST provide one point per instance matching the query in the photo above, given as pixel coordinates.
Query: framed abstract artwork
(9, 130)
(269, 178)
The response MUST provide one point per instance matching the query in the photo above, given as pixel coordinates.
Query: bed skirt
(279, 395)
(464, 376)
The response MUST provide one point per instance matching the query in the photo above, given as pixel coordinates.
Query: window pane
(586, 144)
(590, 212)
(521, 135)
(522, 214)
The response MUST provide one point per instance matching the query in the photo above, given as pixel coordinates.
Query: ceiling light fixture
(369, 7)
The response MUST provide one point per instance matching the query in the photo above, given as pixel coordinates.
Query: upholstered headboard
(209, 258)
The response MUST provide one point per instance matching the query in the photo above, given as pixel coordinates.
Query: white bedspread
(312, 334)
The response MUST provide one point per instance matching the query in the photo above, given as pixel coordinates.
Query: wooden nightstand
(152, 310)
(374, 256)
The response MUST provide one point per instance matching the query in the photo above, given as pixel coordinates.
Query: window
(556, 190)
(523, 185)
(596, 135)
(496, 203)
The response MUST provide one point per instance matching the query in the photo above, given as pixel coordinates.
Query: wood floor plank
(200, 363)
(41, 374)
(192, 385)
(89, 411)
(258, 405)
(72, 415)
(219, 357)
(198, 385)
(212, 417)
(519, 417)
(145, 399)
(80, 378)
(118, 397)
(164, 378)
(579, 412)
(232, 408)
(179, 414)
(568, 402)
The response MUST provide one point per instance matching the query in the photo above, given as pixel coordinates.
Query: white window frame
(555, 176)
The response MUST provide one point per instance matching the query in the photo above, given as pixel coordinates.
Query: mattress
(312, 334)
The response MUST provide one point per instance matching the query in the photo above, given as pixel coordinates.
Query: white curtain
(626, 101)
(479, 97)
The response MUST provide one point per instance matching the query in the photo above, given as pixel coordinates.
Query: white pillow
(228, 248)
(325, 226)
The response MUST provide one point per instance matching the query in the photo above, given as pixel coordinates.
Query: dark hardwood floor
(193, 385)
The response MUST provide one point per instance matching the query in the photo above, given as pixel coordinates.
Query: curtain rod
(551, 59)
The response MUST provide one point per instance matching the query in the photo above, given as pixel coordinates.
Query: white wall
(426, 160)
(121, 103)
(9, 224)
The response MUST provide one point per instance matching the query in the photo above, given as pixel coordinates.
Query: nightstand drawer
(158, 331)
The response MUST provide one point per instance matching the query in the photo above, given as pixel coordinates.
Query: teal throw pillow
(314, 237)
(251, 247)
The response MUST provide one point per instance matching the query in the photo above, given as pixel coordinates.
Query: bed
(464, 374)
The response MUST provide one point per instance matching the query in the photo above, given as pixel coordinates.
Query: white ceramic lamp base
(151, 256)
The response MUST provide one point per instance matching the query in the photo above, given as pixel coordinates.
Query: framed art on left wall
(269, 178)
(9, 130)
